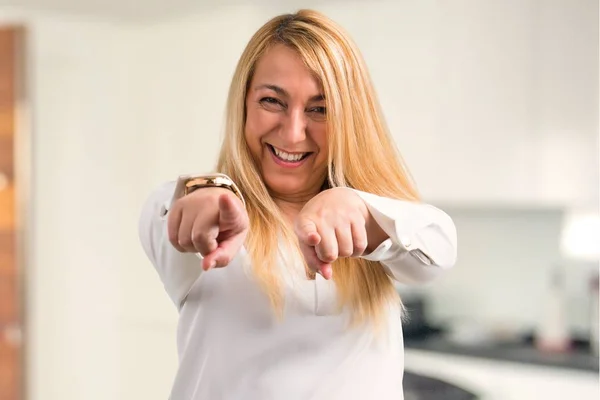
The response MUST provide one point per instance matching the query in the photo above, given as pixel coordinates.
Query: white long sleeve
(422, 241)
(230, 345)
(177, 271)
(422, 238)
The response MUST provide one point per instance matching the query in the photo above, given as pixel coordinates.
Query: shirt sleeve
(178, 271)
(422, 238)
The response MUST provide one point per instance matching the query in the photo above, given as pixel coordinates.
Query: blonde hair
(356, 131)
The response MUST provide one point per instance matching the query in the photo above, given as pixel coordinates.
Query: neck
(291, 204)
(291, 207)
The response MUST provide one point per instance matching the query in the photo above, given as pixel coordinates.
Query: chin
(285, 184)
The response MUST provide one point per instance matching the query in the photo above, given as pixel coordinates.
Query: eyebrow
(282, 92)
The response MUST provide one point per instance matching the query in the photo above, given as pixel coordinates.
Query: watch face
(219, 181)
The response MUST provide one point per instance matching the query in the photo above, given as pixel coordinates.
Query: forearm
(418, 240)
(177, 270)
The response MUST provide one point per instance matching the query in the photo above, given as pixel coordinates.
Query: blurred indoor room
(492, 103)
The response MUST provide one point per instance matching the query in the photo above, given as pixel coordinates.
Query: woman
(283, 268)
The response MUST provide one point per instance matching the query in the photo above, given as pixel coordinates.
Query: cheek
(252, 132)
(258, 124)
(319, 136)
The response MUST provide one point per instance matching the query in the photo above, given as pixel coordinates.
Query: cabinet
(499, 380)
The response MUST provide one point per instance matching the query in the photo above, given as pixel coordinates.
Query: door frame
(16, 333)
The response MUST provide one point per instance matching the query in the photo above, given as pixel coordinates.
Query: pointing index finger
(307, 233)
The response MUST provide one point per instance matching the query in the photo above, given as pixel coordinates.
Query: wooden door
(11, 316)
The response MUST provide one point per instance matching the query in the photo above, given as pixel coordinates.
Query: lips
(288, 157)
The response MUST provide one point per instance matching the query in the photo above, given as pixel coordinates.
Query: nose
(293, 130)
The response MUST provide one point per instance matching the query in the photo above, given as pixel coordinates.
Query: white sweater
(231, 347)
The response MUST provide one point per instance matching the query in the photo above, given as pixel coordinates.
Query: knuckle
(330, 259)
(200, 244)
(185, 241)
(357, 217)
(346, 252)
(236, 219)
(328, 256)
(325, 213)
(198, 238)
(360, 247)
(173, 237)
(223, 261)
(304, 222)
(176, 205)
(172, 230)
(226, 260)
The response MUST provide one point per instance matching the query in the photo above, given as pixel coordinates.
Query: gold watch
(188, 184)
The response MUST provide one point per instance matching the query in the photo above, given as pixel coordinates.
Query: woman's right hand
(210, 221)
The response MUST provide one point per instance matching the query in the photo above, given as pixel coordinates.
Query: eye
(271, 103)
(318, 114)
(318, 110)
(269, 100)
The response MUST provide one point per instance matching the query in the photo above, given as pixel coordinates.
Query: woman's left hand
(335, 223)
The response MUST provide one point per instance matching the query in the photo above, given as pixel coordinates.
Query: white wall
(119, 108)
(508, 86)
(505, 264)
(493, 104)
(88, 152)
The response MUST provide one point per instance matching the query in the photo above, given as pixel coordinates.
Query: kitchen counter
(422, 387)
(494, 379)
(525, 353)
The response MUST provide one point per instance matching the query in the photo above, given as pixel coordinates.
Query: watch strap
(187, 184)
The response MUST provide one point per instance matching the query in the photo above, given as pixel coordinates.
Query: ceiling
(125, 9)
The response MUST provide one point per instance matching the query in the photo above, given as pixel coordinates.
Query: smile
(288, 159)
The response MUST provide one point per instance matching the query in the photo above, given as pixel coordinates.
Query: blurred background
(494, 105)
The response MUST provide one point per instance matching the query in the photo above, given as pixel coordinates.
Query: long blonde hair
(362, 154)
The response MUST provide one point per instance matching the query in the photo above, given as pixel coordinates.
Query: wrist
(187, 185)
(212, 190)
(375, 234)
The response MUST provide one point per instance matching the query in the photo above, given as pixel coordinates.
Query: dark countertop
(420, 387)
(579, 358)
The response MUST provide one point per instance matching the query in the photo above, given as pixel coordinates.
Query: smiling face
(286, 125)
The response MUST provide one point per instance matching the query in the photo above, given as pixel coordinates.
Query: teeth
(287, 156)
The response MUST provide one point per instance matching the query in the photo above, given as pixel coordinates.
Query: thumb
(314, 263)
(225, 252)
(230, 212)
(307, 233)
(326, 271)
